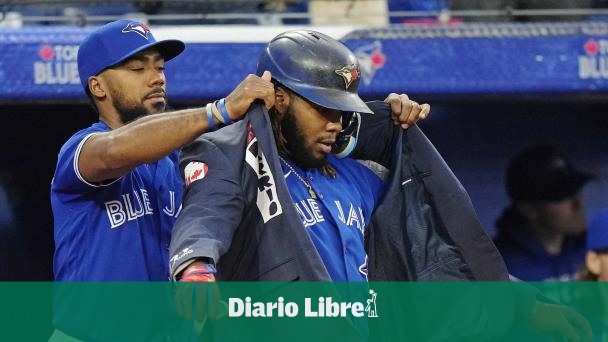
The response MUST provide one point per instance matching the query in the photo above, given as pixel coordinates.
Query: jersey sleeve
(212, 206)
(67, 178)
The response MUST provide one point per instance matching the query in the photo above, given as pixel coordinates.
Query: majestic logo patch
(349, 74)
(195, 171)
(139, 28)
(179, 255)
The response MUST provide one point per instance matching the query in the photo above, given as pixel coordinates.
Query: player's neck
(109, 116)
(112, 122)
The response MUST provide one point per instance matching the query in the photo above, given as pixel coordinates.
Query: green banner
(384, 311)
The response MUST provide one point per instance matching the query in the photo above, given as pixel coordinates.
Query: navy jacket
(241, 214)
(425, 228)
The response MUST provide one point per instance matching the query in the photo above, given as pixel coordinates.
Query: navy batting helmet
(316, 67)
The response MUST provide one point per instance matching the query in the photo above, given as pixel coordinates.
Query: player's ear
(96, 87)
(282, 98)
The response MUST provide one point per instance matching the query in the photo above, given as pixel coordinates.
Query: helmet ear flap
(347, 138)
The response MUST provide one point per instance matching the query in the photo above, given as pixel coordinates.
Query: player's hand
(197, 295)
(406, 112)
(560, 321)
(250, 89)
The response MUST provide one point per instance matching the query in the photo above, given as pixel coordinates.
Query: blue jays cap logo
(349, 74)
(139, 28)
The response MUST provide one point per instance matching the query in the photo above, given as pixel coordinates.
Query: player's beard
(128, 114)
(296, 143)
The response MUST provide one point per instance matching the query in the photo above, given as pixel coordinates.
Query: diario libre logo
(313, 307)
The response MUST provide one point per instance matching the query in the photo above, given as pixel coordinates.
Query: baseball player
(116, 190)
(269, 199)
(327, 200)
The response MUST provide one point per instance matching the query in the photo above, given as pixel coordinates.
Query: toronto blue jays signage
(40, 63)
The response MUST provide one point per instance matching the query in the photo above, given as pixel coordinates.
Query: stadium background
(499, 75)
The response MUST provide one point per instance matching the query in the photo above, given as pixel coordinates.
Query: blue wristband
(227, 119)
(212, 126)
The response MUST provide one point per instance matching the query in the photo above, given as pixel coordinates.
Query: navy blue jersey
(337, 218)
(116, 231)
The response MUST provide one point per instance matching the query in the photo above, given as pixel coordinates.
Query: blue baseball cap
(597, 232)
(115, 42)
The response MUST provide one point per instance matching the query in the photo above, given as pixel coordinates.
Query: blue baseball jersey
(336, 220)
(117, 231)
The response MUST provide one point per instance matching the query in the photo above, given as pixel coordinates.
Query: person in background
(541, 234)
(596, 259)
(593, 298)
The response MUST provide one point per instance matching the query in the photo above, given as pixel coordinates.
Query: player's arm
(212, 209)
(110, 155)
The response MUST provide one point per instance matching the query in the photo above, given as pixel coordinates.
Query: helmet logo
(349, 74)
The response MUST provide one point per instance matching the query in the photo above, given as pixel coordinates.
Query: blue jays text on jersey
(118, 230)
(337, 217)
